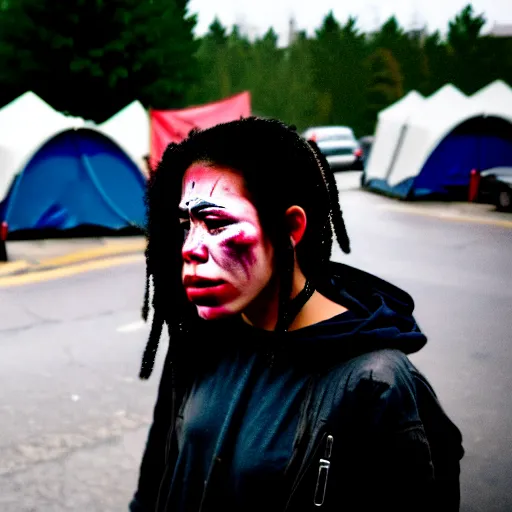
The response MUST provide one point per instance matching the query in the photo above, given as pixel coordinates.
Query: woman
(286, 385)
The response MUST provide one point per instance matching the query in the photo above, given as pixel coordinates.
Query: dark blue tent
(78, 178)
(479, 143)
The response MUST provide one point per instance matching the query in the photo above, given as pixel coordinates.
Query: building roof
(501, 30)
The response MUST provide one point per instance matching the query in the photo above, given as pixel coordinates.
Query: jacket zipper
(323, 473)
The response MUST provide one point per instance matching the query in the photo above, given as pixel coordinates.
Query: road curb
(110, 250)
(449, 215)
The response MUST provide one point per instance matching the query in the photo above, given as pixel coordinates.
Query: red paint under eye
(240, 249)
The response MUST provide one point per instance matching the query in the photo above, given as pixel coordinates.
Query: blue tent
(480, 143)
(77, 178)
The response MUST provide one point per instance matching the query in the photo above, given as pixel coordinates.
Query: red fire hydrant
(4, 228)
(474, 185)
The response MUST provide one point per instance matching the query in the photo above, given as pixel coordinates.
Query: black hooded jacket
(333, 416)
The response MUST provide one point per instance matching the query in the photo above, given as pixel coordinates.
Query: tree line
(92, 57)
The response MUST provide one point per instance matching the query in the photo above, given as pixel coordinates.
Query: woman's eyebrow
(197, 205)
(202, 205)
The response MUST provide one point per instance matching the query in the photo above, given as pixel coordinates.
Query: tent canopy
(437, 116)
(388, 134)
(403, 107)
(443, 139)
(25, 124)
(77, 178)
(495, 99)
(129, 128)
(174, 125)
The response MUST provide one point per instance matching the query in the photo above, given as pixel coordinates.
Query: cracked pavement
(73, 413)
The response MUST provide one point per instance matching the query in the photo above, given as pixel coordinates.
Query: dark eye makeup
(213, 224)
(216, 224)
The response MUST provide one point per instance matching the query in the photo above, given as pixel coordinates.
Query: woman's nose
(194, 249)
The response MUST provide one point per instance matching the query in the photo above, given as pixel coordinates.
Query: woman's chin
(214, 313)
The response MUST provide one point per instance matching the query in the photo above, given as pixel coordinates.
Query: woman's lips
(208, 292)
(200, 282)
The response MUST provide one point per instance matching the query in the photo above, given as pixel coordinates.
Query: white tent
(495, 99)
(420, 133)
(439, 114)
(427, 128)
(25, 124)
(388, 135)
(129, 128)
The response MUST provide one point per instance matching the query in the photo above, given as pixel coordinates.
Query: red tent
(174, 125)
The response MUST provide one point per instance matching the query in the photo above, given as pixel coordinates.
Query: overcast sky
(259, 15)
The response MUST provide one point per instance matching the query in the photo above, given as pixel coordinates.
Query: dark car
(496, 187)
(365, 143)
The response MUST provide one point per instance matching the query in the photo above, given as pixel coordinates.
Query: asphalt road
(74, 416)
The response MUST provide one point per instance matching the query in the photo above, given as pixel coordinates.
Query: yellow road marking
(84, 255)
(14, 266)
(57, 273)
(449, 216)
(95, 252)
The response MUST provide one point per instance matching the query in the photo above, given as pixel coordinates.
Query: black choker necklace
(294, 307)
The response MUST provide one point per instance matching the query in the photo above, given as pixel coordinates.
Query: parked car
(339, 146)
(366, 144)
(496, 187)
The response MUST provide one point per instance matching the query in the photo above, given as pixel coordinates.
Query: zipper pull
(328, 447)
(323, 474)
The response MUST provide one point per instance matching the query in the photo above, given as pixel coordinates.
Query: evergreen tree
(465, 50)
(437, 63)
(326, 67)
(340, 75)
(91, 57)
(386, 85)
(299, 98)
(214, 80)
(264, 74)
(408, 50)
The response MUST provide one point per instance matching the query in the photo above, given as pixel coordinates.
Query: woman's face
(227, 260)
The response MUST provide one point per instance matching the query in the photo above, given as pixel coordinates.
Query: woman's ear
(296, 221)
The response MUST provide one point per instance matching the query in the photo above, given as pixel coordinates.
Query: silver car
(338, 144)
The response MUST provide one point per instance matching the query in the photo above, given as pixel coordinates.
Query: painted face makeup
(227, 261)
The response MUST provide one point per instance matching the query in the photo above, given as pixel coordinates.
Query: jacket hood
(382, 313)
(379, 316)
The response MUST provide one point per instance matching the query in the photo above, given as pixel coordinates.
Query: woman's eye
(216, 225)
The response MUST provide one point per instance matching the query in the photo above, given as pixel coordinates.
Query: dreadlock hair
(280, 169)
